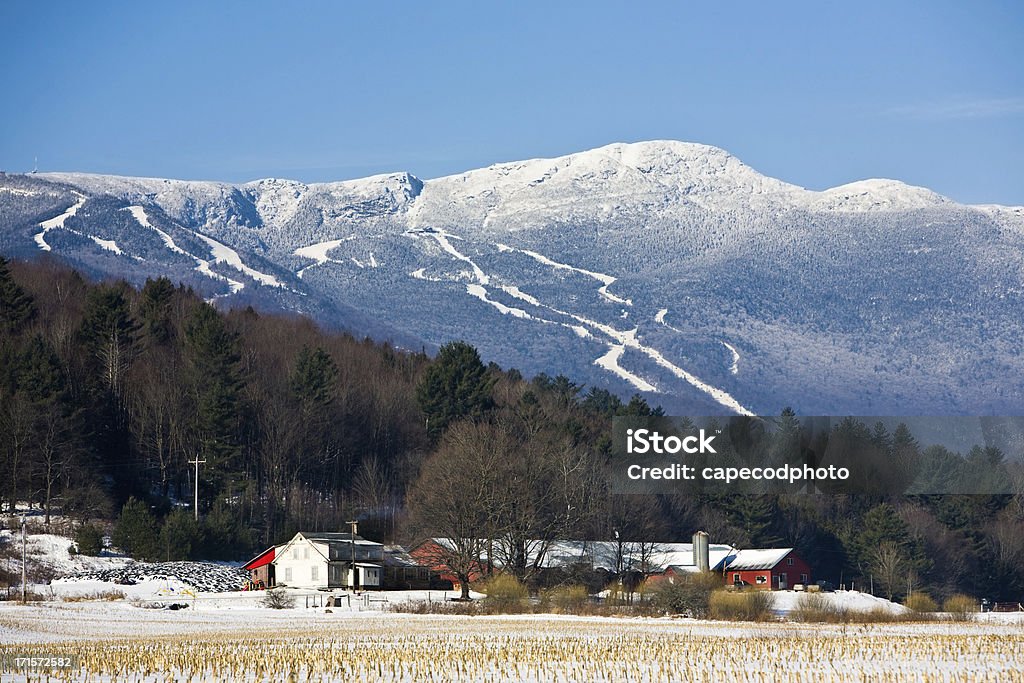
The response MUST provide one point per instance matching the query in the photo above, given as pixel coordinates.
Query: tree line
(108, 394)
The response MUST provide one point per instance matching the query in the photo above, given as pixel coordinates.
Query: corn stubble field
(438, 648)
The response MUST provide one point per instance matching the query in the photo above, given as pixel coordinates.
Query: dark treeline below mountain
(108, 393)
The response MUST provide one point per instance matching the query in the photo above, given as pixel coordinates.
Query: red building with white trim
(767, 569)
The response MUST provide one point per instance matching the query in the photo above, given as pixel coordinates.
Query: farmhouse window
(760, 579)
(288, 574)
(314, 573)
(736, 578)
(789, 561)
(803, 578)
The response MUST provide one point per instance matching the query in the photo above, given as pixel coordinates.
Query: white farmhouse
(320, 560)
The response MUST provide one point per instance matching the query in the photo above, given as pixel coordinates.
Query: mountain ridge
(663, 267)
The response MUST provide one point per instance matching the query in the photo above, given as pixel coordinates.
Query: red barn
(767, 569)
(433, 553)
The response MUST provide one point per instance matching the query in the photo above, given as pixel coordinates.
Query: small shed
(261, 569)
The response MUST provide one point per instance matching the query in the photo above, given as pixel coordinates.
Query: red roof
(266, 557)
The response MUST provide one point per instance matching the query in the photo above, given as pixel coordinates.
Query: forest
(109, 395)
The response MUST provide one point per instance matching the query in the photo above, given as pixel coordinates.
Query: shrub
(960, 607)
(107, 596)
(751, 605)
(278, 598)
(505, 593)
(89, 540)
(921, 602)
(815, 607)
(566, 599)
(688, 595)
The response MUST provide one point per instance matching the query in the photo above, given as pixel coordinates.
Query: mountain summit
(666, 268)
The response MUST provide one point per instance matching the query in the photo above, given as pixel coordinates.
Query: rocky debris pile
(205, 577)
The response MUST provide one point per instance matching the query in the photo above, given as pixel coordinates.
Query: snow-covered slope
(664, 267)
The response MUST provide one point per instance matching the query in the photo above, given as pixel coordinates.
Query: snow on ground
(853, 601)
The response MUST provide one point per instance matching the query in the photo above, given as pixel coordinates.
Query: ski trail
(222, 253)
(442, 239)
(319, 253)
(629, 340)
(202, 265)
(610, 362)
(57, 223)
(109, 245)
(735, 367)
(623, 339)
(606, 280)
(142, 219)
(479, 288)
(660, 318)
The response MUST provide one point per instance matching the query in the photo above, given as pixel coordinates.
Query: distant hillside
(664, 267)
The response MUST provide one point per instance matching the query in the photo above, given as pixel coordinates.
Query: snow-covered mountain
(662, 267)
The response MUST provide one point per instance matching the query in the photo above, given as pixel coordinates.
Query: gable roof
(766, 558)
(266, 557)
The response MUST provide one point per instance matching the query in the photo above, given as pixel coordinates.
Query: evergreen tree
(216, 383)
(16, 306)
(109, 332)
(180, 536)
(314, 382)
(155, 309)
(135, 532)
(39, 374)
(455, 386)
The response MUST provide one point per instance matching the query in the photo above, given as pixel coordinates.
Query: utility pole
(196, 462)
(354, 526)
(24, 555)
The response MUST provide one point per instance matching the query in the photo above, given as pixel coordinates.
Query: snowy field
(134, 621)
(231, 637)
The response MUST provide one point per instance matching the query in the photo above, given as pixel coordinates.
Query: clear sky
(815, 93)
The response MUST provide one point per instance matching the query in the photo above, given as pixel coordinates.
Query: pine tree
(455, 386)
(155, 309)
(313, 383)
(135, 532)
(16, 306)
(109, 332)
(180, 536)
(216, 383)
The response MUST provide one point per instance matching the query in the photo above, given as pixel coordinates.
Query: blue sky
(815, 93)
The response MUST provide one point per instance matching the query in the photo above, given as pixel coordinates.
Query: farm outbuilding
(261, 569)
(768, 569)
